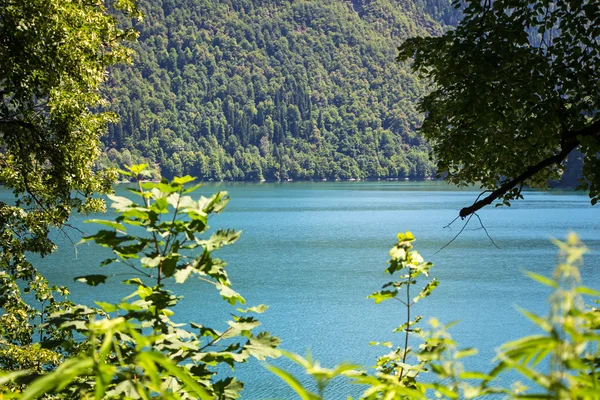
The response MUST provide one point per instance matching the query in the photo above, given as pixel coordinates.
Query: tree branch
(570, 140)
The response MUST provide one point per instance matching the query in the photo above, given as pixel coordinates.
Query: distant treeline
(274, 89)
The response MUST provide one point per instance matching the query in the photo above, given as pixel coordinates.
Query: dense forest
(274, 89)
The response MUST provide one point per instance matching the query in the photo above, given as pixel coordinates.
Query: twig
(215, 340)
(450, 224)
(454, 220)
(129, 264)
(457, 235)
(486, 232)
(401, 301)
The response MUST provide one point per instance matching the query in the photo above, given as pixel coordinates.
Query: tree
(516, 89)
(53, 59)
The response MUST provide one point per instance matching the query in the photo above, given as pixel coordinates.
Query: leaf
(539, 321)
(220, 238)
(293, 383)
(426, 291)
(107, 307)
(542, 279)
(191, 189)
(587, 291)
(259, 309)
(408, 326)
(263, 345)
(120, 202)
(63, 375)
(383, 295)
(134, 281)
(384, 344)
(151, 262)
(183, 274)
(177, 372)
(92, 280)
(108, 261)
(7, 377)
(229, 294)
(169, 264)
(183, 180)
(137, 169)
(244, 324)
(474, 375)
(112, 224)
(406, 237)
(397, 253)
(465, 353)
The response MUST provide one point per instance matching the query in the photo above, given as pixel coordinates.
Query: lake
(314, 251)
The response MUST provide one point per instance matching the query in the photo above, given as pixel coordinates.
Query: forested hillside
(273, 89)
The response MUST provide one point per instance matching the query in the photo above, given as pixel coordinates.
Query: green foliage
(250, 90)
(410, 265)
(516, 90)
(559, 363)
(53, 59)
(133, 349)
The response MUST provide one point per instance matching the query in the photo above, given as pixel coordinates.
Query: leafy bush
(133, 349)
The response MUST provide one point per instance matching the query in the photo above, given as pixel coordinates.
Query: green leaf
(229, 294)
(384, 344)
(244, 324)
(426, 291)
(409, 325)
(542, 279)
(107, 307)
(474, 375)
(539, 321)
(112, 224)
(192, 188)
(587, 291)
(134, 281)
(383, 295)
(465, 353)
(120, 202)
(137, 169)
(177, 372)
(263, 346)
(92, 280)
(293, 383)
(183, 274)
(63, 375)
(169, 264)
(259, 309)
(183, 180)
(406, 237)
(397, 253)
(7, 377)
(151, 262)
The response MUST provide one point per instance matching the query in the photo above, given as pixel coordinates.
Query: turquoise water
(314, 251)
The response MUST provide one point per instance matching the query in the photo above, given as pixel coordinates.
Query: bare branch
(455, 237)
(486, 231)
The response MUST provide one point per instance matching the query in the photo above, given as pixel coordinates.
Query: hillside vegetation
(279, 89)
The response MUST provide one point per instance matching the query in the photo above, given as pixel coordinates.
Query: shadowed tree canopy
(516, 91)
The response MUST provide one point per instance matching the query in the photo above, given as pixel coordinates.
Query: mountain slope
(259, 89)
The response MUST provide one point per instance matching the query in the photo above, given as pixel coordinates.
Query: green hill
(273, 89)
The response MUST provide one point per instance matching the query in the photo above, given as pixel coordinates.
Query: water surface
(314, 251)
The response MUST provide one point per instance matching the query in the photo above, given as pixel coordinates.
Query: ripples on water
(314, 251)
